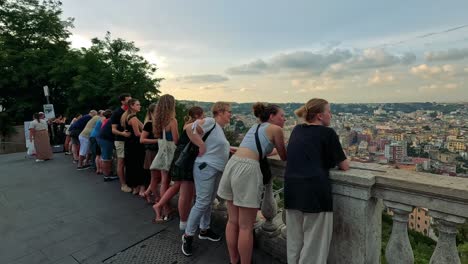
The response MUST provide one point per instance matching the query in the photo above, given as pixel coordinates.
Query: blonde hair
(129, 113)
(163, 114)
(219, 107)
(149, 113)
(310, 110)
(193, 113)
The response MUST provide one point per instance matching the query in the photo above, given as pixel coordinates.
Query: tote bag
(163, 159)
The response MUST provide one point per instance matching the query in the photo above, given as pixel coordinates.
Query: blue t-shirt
(96, 129)
(106, 131)
(80, 123)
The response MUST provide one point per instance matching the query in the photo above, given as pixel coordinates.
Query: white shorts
(242, 182)
(84, 145)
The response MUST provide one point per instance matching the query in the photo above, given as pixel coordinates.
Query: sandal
(159, 221)
(148, 196)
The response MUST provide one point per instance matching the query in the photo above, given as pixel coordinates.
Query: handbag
(189, 153)
(264, 165)
(163, 159)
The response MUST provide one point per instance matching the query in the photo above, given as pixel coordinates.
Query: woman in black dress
(134, 150)
(151, 145)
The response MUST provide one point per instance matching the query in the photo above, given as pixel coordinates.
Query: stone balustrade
(359, 197)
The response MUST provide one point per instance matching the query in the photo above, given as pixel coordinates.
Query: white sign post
(49, 111)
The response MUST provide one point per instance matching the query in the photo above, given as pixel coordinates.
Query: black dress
(312, 152)
(135, 175)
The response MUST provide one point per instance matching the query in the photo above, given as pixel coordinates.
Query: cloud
(438, 87)
(306, 60)
(377, 58)
(203, 78)
(451, 54)
(451, 86)
(212, 87)
(255, 67)
(380, 78)
(334, 62)
(426, 71)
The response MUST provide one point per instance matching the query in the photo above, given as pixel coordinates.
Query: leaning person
(181, 176)
(165, 126)
(105, 140)
(120, 136)
(207, 171)
(313, 150)
(84, 159)
(242, 181)
(134, 151)
(151, 149)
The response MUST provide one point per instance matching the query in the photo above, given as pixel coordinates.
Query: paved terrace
(52, 213)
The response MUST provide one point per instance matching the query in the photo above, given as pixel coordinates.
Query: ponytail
(310, 110)
(263, 111)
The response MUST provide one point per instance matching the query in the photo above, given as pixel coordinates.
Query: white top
(41, 125)
(217, 146)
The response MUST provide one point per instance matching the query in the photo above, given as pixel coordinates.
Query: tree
(181, 112)
(34, 52)
(111, 67)
(32, 39)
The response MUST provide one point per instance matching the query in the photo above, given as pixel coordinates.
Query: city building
(396, 151)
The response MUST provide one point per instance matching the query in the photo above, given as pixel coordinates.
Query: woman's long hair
(165, 112)
(149, 113)
(127, 114)
(193, 113)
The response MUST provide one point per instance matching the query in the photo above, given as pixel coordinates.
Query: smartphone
(202, 166)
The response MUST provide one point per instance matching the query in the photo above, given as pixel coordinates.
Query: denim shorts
(107, 149)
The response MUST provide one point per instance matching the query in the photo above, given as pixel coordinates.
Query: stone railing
(359, 196)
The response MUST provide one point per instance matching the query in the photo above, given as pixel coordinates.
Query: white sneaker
(39, 160)
(125, 188)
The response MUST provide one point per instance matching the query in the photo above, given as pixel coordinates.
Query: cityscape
(431, 139)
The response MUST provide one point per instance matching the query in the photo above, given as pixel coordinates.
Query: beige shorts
(120, 149)
(242, 182)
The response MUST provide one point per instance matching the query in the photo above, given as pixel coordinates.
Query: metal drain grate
(161, 248)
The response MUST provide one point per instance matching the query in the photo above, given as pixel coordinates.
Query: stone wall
(14, 143)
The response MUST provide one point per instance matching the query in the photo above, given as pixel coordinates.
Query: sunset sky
(291, 51)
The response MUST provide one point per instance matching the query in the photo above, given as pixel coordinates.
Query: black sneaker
(210, 235)
(187, 245)
(85, 167)
(110, 178)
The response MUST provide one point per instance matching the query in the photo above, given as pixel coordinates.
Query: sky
(291, 51)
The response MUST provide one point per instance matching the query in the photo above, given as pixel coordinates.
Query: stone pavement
(52, 213)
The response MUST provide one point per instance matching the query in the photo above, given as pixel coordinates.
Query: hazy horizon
(347, 52)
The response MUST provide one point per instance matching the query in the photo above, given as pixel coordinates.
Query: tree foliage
(32, 41)
(34, 52)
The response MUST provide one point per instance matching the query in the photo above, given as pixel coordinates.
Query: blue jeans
(206, 185)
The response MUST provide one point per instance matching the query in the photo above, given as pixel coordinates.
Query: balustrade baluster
(269, 210)
(446, 249)
(399, 249)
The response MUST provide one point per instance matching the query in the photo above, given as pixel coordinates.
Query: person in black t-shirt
(313, 150)
(119, 139)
